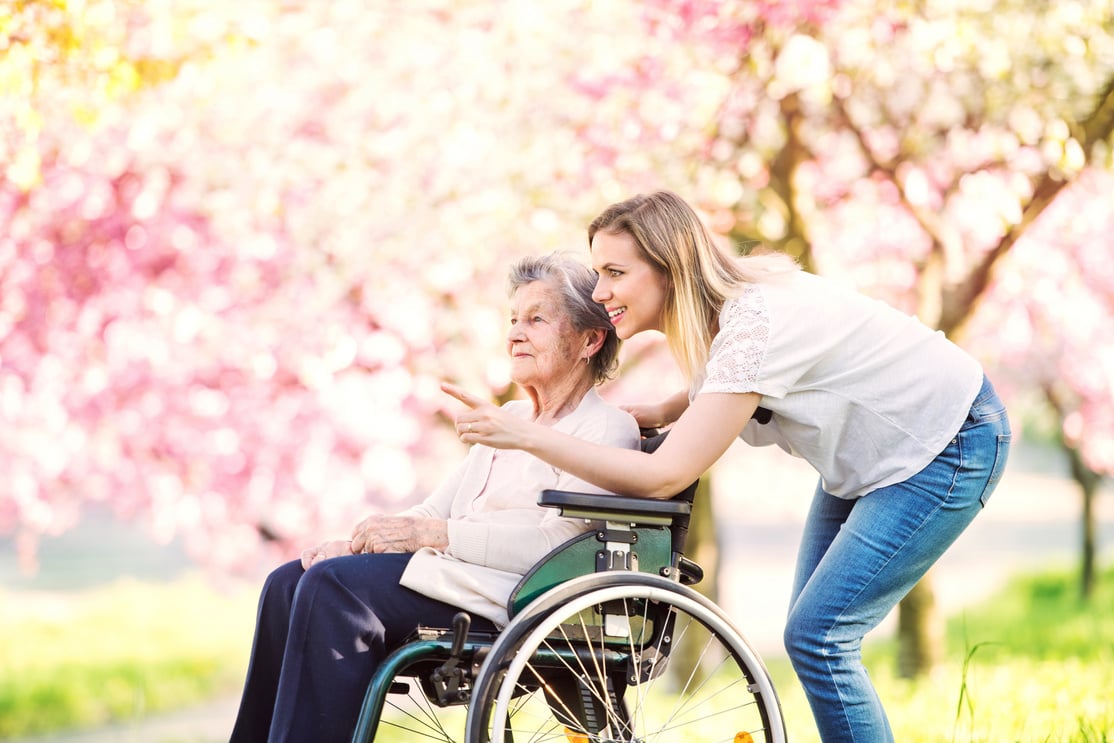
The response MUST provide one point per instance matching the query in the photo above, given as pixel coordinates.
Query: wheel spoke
(692, 676)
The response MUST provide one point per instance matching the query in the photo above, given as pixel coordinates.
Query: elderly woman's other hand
(325, 550)
(399, 534)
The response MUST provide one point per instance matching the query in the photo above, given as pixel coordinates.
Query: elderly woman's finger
(307, 557)
(465, 426)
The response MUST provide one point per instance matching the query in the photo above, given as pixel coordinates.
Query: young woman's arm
(698, 438)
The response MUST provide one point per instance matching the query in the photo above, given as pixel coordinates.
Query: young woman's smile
(633, 291)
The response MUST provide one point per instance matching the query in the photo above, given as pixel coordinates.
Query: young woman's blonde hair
(673, 240)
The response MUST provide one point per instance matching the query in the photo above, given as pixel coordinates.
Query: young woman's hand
(647, 416)
(486, 423)
(661, 414)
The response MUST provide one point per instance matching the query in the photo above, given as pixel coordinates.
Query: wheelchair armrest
(614, 507)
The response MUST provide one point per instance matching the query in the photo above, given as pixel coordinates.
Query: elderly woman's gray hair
(575, 283)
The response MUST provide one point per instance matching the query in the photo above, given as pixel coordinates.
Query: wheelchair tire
(562, 670)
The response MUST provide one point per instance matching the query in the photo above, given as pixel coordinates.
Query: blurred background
(242, 243)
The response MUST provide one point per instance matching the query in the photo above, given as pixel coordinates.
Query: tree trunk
(920, 635)
(1088, 481)
(702, 548)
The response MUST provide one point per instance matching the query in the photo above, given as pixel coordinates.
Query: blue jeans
(859, 557)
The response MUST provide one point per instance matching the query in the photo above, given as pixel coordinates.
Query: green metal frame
(652, 546)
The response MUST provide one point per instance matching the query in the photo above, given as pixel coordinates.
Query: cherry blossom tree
(917, 152)
(231, 286)
(241, 243)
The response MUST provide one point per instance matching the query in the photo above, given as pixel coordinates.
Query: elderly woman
(326, 622)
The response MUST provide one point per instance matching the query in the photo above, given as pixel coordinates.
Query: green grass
(117, 653)
(1030, 664)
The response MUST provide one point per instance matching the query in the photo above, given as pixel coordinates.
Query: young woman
(904, 429)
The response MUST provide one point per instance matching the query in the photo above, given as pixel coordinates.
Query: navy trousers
(319, 636)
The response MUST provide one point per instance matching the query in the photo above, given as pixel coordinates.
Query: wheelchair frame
(630, 576)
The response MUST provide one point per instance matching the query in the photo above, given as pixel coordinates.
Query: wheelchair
(606, 643)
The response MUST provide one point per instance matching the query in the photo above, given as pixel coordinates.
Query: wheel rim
(719, 691)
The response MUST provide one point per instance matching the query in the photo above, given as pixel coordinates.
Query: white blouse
(865, 393)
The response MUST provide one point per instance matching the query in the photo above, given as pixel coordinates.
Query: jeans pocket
(1001, 454)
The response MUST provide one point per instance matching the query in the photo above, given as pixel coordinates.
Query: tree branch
(926, 219)
(964, 300)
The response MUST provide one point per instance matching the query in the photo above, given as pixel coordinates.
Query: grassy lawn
(117, 652)
(1029, 664)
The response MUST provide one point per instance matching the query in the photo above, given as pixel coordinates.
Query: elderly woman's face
(542, 343)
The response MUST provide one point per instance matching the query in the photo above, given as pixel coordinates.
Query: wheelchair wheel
(628, 657)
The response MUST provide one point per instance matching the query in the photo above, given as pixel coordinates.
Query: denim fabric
(858, 559)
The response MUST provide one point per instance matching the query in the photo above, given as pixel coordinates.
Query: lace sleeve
(740, 346)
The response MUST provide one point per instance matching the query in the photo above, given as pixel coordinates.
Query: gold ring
(469, 429)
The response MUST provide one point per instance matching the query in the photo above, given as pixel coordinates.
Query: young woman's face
(545, 349)
(633, 292)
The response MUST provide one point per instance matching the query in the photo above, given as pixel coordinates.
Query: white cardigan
(493, 541)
